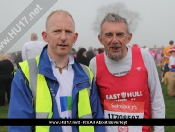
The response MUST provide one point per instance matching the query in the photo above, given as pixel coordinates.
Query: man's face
(60, 34)
(114, 37)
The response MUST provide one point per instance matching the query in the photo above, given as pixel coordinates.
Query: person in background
(158, 58)
(126, 76)
(90, 53)
(100, 50)
(73, 52)
(135, 45)
(162, 49)
(6, 76)
(169, 79)
(32, 48)
(75, 55)
(172, 57)
(145, 47)
(152, 52)
(81, 57)
(54, 85)
(155, 51)
(95, 51)
(162, 61)
(167, 56)
(18, 57)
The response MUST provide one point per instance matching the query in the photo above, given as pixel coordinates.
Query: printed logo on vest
(123, 129)
(66, 103)
(123, 96)
(120, 73)
(138, 68)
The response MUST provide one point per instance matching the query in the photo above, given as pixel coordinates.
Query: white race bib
(123, 110)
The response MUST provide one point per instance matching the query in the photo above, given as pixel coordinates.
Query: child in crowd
(170, 76)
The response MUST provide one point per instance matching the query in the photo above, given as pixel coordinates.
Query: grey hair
(112, 17)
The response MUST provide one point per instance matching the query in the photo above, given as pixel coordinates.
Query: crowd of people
(84, 57)
(54, 80)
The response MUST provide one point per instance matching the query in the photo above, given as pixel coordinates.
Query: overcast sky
(156, 27)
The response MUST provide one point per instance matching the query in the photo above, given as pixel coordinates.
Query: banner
(86, 122)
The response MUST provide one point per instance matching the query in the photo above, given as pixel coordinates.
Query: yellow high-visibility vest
(42, 97)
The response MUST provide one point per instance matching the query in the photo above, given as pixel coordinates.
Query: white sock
(162, 79)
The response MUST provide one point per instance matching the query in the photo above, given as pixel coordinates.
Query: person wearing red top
(126, 78)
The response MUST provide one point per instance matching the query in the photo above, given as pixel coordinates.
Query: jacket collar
(45, 68)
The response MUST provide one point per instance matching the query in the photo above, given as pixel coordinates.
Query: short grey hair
(112, 17)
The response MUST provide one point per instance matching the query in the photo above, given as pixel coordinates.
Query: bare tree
(120, 9)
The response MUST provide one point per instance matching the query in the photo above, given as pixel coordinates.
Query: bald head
(34, 37)
(59, 12)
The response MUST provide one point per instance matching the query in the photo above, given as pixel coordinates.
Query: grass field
(169, 103)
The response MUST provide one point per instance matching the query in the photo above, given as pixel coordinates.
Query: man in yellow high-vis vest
(54, 84)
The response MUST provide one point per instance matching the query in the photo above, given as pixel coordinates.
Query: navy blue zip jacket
(21, 97)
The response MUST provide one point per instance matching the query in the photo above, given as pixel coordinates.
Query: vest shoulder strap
(30, 71)
(33, 72)
(32, 68)
(89, 73)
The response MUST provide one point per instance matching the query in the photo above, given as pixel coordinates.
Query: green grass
(3, 114)
(169, 104)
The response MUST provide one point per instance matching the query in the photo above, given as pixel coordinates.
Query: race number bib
(123, 110)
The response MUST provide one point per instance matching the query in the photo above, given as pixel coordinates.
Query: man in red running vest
(126, 77)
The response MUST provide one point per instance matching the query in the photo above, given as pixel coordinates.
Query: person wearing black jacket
(6, 76)
(81, 57)
(90, 53)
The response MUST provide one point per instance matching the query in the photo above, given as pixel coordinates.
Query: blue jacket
(21, 101)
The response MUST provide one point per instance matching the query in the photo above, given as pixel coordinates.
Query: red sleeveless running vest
(124, 88)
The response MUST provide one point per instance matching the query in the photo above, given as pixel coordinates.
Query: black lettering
(112, 116)
(116, 116)
(124, 117)
(120, 116)
(109, 116)
(133, 117)
(129, 117)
